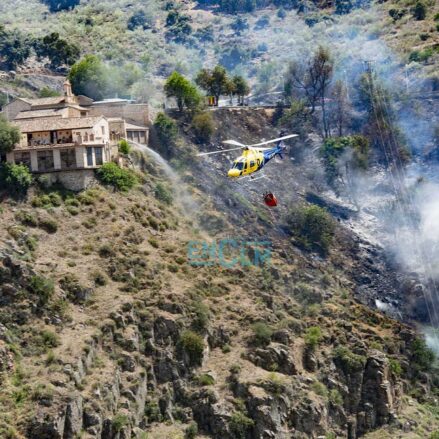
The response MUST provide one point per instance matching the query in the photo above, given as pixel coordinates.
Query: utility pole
(346, 84)
(406, 79)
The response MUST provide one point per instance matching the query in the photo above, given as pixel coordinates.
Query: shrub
(240, 425)
(335, 397)
(397, 14)
(119, 421)
(193, 346)
(9, 134)
(50, 339)
(203, 126)
(75, 291)
(313, 337)
(191, 431)
(59, 5)
(113, 175)
(139, 19)
(434, 435)
(162, 193)
(422, 357)
(166, 130)
(48, 224)
(205, 380)
(347, 360)
(55, 199)
(124, 147)
(312, 226)
(261, 334)
(201, 319)
(42, 287)
(99, 278)
(320, 389)
(106, 251)
(395, 367)
(420, 10)
(27, 219)
(15, 178)
(422, 55)
(336, 147)
(41, 201)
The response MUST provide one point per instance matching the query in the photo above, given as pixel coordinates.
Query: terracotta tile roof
(52, 112)
(54, 123)
(46, 101)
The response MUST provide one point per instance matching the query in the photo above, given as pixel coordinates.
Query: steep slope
(109, 331)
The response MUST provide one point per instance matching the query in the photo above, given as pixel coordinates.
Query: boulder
(275, 357)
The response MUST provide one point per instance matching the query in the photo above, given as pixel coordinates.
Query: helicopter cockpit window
(252, 163)
(238, 165)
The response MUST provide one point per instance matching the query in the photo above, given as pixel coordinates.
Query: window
(83, 113)
(98, 156)
(22, 158)
(245, 166)
(252, 163)
(45, 160)
(92, 137)
(239, 165)
(103, 130)
(89, 156)
(68, 158)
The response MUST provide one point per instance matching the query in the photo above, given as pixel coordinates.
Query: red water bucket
(270, 200)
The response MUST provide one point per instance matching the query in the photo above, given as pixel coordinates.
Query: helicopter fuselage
(253, 160)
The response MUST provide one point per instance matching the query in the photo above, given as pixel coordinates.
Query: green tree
(59, 5)
(14, 48)
(15, 178)
(185, 93)
(242, 88)
(9, 136)
(139, 19)
(422, 357)
(343, 6)
(59, 51)
(215, 82)
(193, 345)
(312, 226)
(89, 77)
(47, 92)
(203, 126)
(239, 25)
(166, 130)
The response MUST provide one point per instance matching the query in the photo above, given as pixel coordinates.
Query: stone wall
(133, 113)
(11, 110)
(73, 180)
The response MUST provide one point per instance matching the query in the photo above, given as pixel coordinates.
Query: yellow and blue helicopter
(253, 158)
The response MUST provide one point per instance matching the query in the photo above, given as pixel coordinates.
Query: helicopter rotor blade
(217, 152)
(234, 143)
(290, 136)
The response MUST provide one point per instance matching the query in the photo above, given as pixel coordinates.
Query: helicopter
(253, 158)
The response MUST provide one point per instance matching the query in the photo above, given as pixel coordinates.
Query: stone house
(53, 144)
(73, 134)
